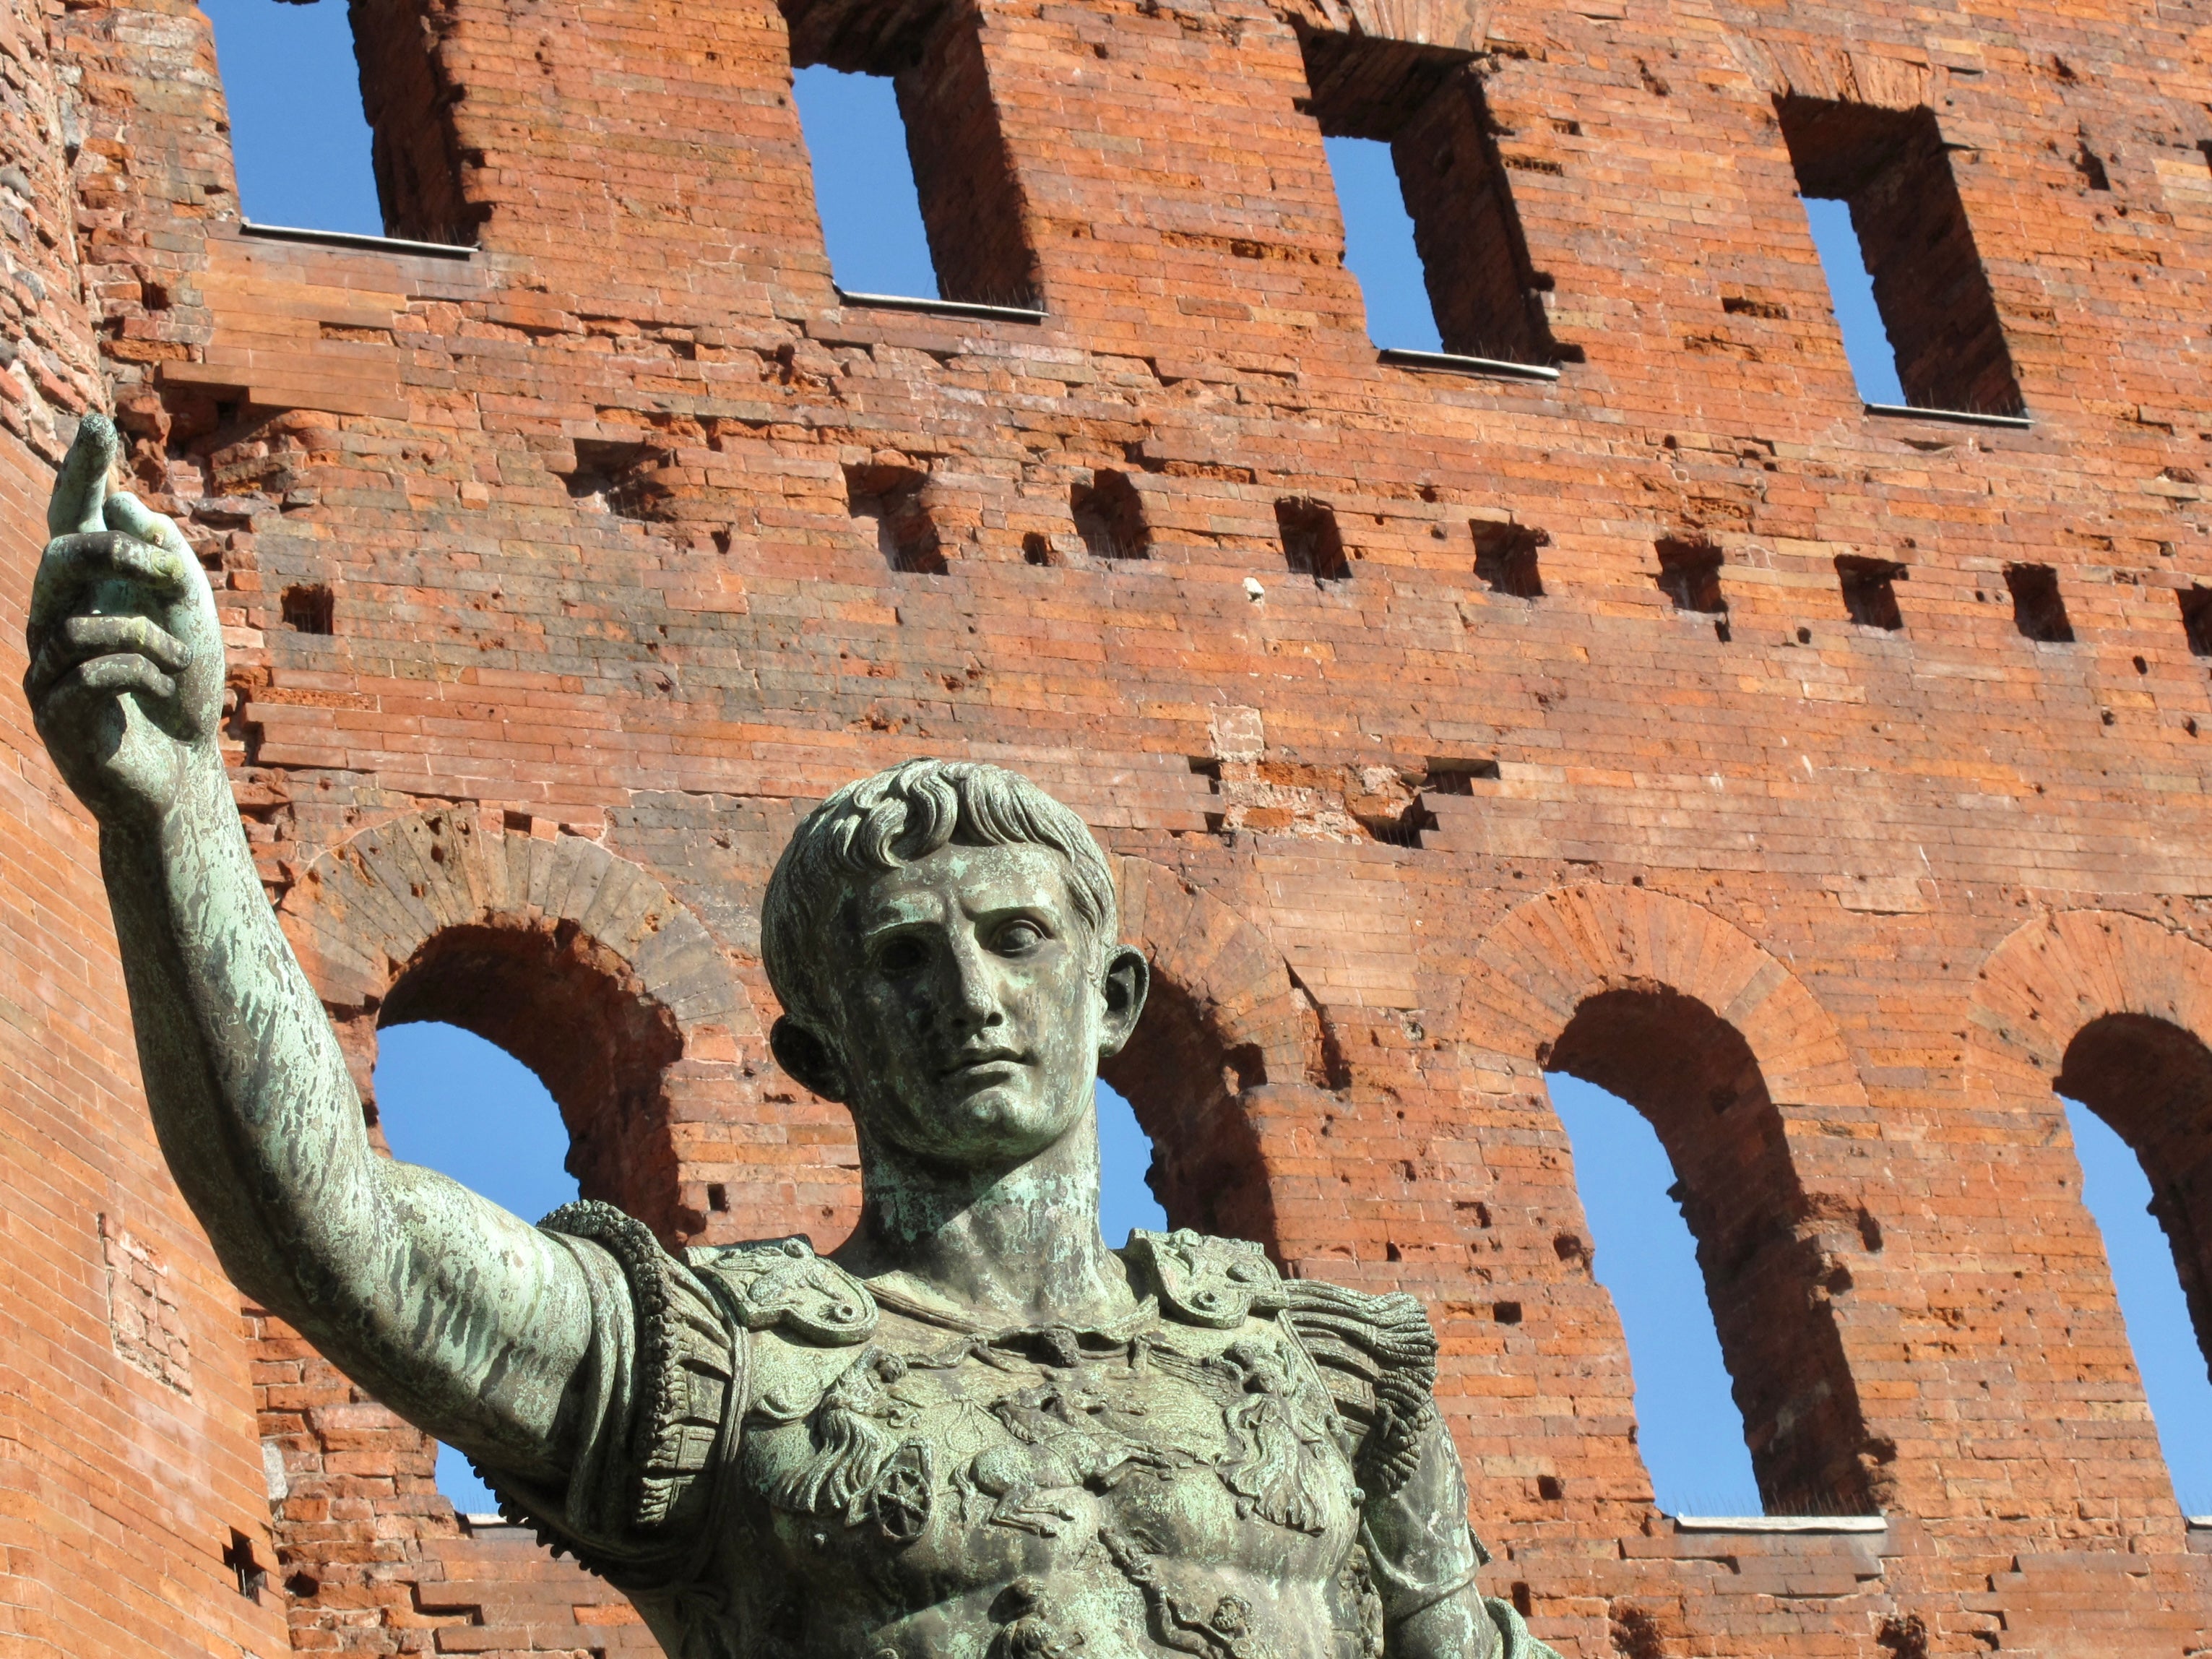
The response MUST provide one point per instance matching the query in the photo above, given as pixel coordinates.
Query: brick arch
(1230, 1051)
(2050, 978)
(1552, 953)
(1722, 1049)
(2113, 1011)
(580, 963)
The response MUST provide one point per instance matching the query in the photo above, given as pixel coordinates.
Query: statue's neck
(1018, 1245)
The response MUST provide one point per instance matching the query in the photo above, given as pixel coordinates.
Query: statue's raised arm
(444, 1305)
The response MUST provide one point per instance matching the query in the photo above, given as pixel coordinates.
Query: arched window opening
(1125, 1164)
(1767, 1283)
(574, 1014)
(1687, 1426)
(2138, 1093)
(449, 1100)
(1183, 1082)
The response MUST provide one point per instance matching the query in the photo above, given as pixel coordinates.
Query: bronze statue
(975, 1431)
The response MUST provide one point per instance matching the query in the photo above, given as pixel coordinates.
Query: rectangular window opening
(912, 177)
(1912, 298)
(335, 122)
(1431, 231)
(1869, 587)
(2039, 609)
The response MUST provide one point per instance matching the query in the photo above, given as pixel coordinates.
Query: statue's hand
(125, 681)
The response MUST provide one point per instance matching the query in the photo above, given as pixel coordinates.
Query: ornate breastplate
(1170, 1468)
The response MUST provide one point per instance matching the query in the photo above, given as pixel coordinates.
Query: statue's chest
(977, 1459)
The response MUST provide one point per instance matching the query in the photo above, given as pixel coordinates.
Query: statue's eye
(902, 956)
(1017, 936)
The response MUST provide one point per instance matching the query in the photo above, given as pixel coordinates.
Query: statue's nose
(971, 999)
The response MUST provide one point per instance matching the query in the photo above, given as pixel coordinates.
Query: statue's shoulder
(1376, 1352)
(780, 1284)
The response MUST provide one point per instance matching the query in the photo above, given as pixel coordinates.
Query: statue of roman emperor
(973, 1431)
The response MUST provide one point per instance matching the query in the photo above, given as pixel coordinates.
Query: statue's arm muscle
(446, 1307)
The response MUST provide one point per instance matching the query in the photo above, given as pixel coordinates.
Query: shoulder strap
(1218, 1283)
(781, 1284)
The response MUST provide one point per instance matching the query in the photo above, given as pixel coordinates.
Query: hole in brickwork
(1769, 1276)
(1036, 549)
(451, 1101)
(1892, 170)
(618, 476)
(1635, 1633)
(948, 223)
(1869, 587)
(1690, 573)
(891, 501)
(2197, 619)
(238, 1555)
(1312, 545)
(308, 610)
(1902, 1636)
(2039, 609)
(1506, 558)
(1550, 1488)
(1456, 777)
(1109, 516)
(2139, 1099)
(2091, 166)
(1425, 104)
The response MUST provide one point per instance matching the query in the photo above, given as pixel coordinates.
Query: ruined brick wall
(559, 575)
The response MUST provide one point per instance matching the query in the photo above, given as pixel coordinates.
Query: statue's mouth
(982, 1059)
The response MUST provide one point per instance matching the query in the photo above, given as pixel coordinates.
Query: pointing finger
(80, 487)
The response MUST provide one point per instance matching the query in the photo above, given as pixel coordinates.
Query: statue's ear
(807, 1058)
(1126, 980)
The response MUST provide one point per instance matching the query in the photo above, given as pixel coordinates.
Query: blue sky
(453, 1101)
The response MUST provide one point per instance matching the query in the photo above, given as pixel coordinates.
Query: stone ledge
(1952, 416)
(1782, 1523)
(354, 240)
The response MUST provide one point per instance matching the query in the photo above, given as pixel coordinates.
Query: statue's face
(973, 1011)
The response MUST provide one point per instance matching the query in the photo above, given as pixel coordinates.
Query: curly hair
(893, 818)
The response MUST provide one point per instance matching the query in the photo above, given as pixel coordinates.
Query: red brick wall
(581, 504)
(128, 1456)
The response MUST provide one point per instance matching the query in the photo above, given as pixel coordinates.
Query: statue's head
(943, 939)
